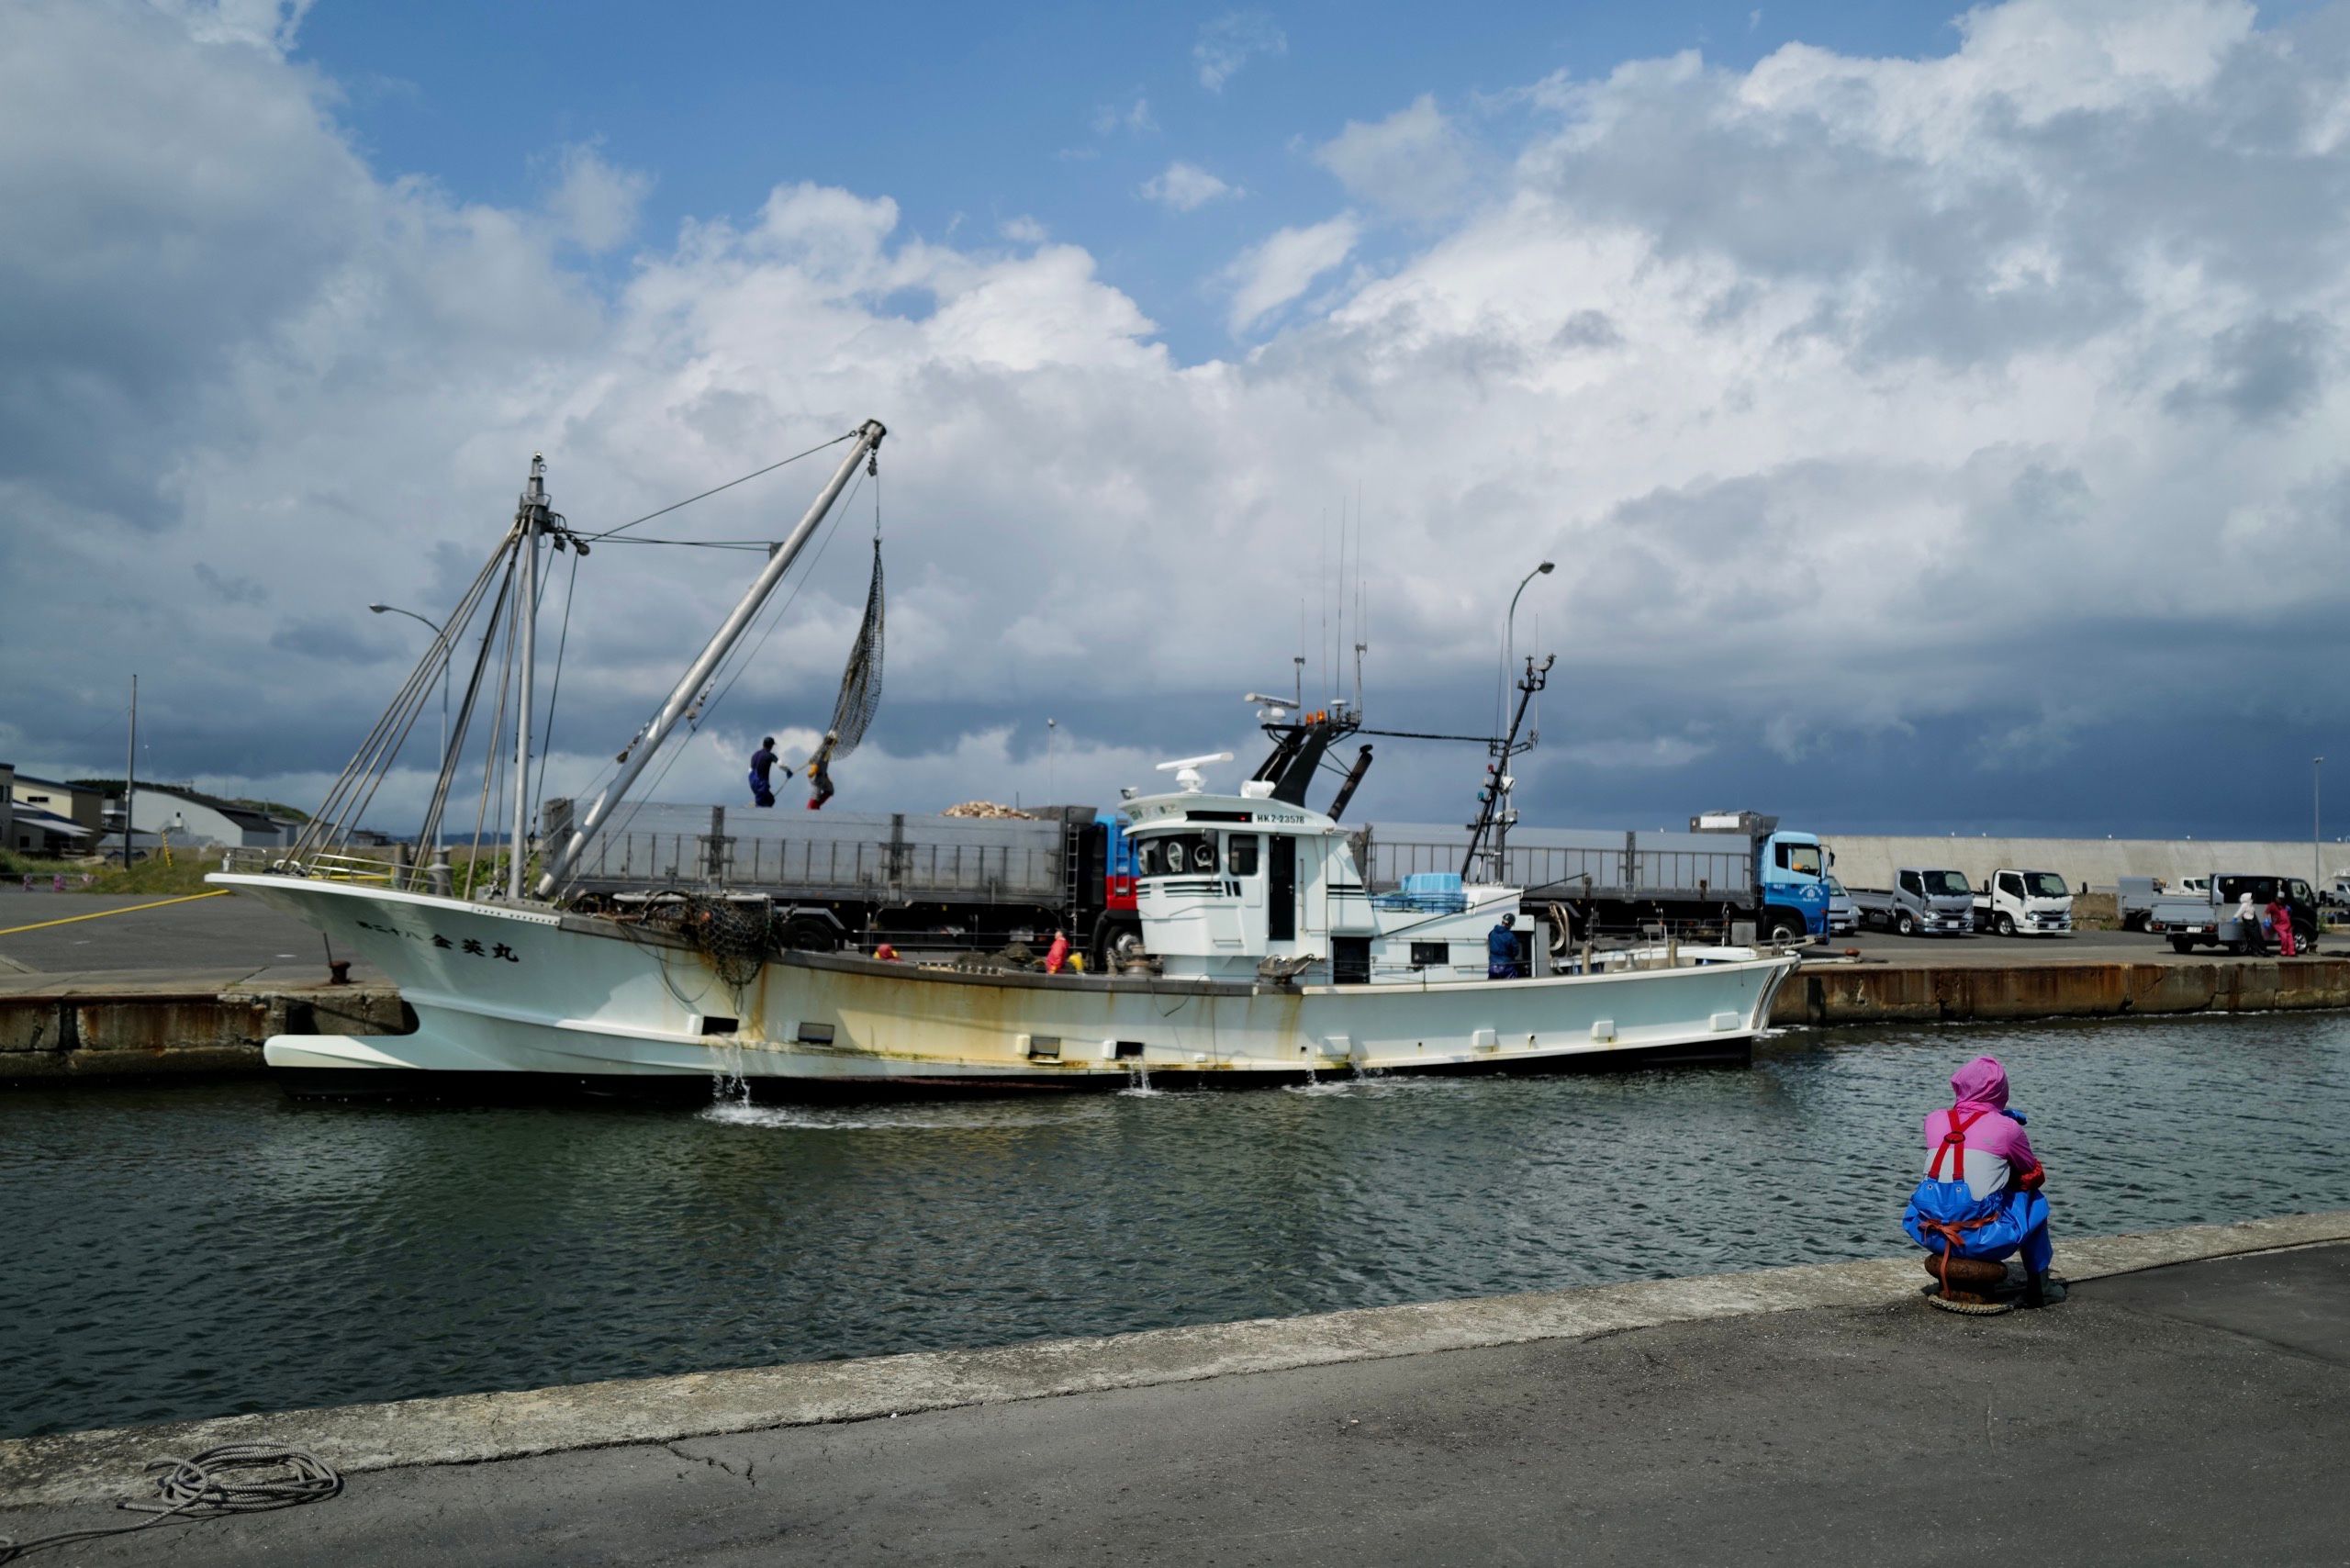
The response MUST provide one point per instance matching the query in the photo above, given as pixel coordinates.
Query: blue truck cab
(1790, 872)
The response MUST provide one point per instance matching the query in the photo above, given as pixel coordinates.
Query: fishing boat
(1262, 957)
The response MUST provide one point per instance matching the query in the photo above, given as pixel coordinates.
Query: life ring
(1556, 914)
(1203, 857)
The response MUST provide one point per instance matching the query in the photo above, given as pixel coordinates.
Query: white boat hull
(523, 995)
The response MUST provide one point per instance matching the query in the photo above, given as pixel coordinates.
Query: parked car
(1843, 914)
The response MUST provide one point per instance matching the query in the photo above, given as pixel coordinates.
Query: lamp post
(446, 657)
(2317, 832)
(1502, 778)
(1509, 636)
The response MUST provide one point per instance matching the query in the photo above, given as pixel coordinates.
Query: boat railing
(254, 860)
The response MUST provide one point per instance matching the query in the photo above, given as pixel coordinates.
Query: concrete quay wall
(126, 1029)
(1949, 993)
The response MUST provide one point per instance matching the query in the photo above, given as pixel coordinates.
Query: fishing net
(861, 681)
(736, 936)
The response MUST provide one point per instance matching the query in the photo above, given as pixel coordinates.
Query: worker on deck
(1981, 1197)
(820, 771)
(763, 763)
(1502, 961)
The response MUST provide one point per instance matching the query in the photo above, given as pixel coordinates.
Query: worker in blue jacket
(1502, 961)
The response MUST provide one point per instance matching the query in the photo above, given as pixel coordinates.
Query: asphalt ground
(2193, 1414)
(228, 934)
(2073, 947)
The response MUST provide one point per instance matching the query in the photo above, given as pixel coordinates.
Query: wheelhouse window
(1240, 851)
(1177, 855)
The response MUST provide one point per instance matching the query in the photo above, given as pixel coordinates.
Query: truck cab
(2024, 903)
(1790, 873)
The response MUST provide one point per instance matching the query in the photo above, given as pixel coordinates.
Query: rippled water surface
(192, 1251)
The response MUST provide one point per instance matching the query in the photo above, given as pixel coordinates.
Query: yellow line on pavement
(134, 909)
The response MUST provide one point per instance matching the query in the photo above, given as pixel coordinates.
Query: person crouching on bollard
(1981, 1197)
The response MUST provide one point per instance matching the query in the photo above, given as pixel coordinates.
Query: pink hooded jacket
(1998, 1155)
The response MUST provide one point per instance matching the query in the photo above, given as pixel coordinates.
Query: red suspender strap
(1954, 1144)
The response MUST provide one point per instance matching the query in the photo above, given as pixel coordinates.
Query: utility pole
(1493, 809)
(2317, 831)
(130, 772)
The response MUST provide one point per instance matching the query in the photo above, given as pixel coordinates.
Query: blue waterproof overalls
(1945, 1217)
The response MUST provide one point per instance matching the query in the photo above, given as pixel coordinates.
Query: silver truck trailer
(864, 876)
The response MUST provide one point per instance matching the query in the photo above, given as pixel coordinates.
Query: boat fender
(1560, 941)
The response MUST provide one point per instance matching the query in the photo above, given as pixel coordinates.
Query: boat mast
(528, 519)
(685, 694)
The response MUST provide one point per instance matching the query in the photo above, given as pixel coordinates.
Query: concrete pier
(1953, 991)
(2186, 1403)
(115, 1024)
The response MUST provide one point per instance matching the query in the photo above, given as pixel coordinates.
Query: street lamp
(1509, 636)
(447, 658)
(2317, 832)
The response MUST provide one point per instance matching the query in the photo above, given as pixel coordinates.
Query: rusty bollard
(339, 969)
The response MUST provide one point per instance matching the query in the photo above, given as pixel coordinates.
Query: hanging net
(861, 681)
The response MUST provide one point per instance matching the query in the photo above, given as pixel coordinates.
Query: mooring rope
(235, 1478)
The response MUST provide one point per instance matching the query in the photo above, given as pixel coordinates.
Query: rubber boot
(2035, 1290)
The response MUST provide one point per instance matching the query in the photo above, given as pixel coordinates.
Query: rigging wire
(493, 764)
(546, 744)
(740, 658)
(714, 489)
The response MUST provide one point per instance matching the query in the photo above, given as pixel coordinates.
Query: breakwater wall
(1864, 860)
(1951, 994)
(134, 1029)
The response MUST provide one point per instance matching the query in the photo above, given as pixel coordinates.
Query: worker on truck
(820, 771)
(763, 763)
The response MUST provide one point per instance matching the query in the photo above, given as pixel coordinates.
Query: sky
(1934, 413)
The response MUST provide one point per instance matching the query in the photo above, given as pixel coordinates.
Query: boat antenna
(864, 452)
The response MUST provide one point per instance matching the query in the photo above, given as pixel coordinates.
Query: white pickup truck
(2024, 903)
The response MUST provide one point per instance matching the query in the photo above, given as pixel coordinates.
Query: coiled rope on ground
(235, 1478)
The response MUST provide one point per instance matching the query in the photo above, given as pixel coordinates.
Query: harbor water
(200, 1249)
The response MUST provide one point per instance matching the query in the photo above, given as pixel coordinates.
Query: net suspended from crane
(861, 681)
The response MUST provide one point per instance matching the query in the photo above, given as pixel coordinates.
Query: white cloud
(1231, 41)
(1269, 275)
(1185, 188)
(1413, 163)
(1133, 117)
(1850, 395)
(269, 24)
(1023, 230)
(594, 204)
